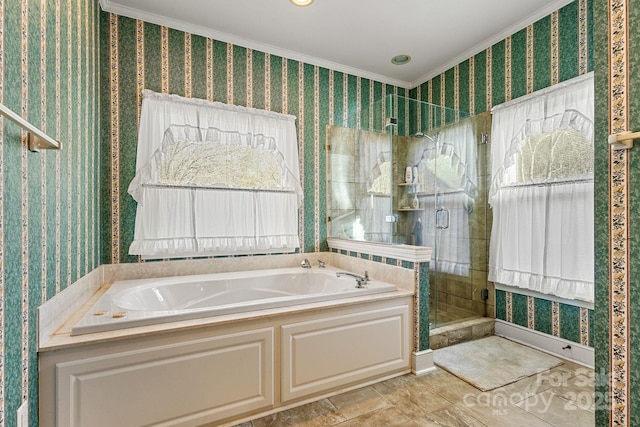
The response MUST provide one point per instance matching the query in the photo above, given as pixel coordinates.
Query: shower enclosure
(418, 176)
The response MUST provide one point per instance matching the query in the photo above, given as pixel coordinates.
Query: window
(214, 179)
(542, 191)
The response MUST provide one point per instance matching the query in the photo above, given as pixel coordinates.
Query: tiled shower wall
(553, 49)
(49, 201)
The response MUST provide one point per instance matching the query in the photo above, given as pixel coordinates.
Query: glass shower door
(442, 206)
(459, 258)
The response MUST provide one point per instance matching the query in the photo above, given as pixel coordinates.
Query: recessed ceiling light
(400, 59)
(301, 2)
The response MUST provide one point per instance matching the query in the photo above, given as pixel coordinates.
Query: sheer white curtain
(187, 219)
(542, 191)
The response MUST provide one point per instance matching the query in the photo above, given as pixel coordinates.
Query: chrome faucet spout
(305, 263)
(361, 281)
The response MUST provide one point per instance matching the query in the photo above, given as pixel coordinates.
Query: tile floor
(562, 396)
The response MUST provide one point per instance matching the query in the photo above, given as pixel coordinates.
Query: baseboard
(555, 346)
(422, 362)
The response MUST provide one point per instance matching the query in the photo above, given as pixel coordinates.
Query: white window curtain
(199, 209)
(542, 191)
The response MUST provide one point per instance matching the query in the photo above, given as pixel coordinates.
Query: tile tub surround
(57, 315)
(411, 258)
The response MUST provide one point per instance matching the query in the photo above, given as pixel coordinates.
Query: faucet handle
(320, 263)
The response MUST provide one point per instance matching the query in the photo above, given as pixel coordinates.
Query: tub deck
(142, 302)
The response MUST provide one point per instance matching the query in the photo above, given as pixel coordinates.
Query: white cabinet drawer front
(334, 351)
(187, 383)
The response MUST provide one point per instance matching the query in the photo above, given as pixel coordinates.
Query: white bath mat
(476, 362)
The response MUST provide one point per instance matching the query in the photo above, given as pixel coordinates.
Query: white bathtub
(131, 303)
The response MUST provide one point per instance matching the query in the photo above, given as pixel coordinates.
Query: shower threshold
(460, 331)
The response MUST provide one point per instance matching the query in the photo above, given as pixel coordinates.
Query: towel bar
(36, 139)
(623, 140)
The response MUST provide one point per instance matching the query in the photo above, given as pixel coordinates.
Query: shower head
(423, 135)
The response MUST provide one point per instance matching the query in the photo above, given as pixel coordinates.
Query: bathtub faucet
(305, 263)
(360, 280)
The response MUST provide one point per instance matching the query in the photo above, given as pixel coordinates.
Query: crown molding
(111, 7)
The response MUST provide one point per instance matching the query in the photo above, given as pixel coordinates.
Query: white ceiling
(354, 36)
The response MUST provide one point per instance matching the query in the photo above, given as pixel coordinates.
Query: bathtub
(132, 303)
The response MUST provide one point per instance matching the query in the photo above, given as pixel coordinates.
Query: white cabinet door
(183, 384)
(335, 351)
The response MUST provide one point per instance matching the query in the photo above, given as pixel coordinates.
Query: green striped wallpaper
(553, 49)
(140, 55)
(49, 201)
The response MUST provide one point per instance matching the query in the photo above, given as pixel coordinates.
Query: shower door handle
(442, 218)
